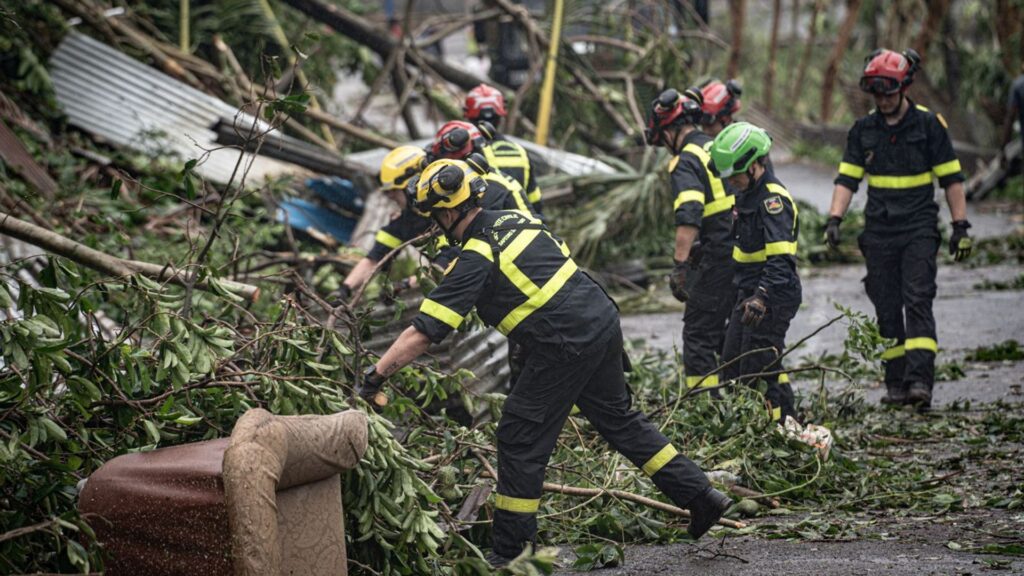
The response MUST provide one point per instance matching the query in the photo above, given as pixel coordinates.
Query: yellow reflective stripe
(922, 343)
(441, 312)
(784, 378)
(720, 205)
(717, 188)
(851, 170)
(900, 182)
(451, 265)
(516, 247)
(779, 248)
(921, 108)
(480, 247)
(688, 196)
(894, 352)
(946, 168)
(702, 381)
(748, 257)
(534, 196)
(658, 461)
(574, 410)
(673, 163)
(535, 297)
(776, 414)
(441, 241)
(387, 239)
(512, 504)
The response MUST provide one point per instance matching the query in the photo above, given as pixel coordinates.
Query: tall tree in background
(836, 57)
(812, 37)
(769, 73)
(737, 9)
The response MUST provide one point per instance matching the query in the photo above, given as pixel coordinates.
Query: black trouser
(533, 417)
(704, 322)
(901, 284)
(770, 337)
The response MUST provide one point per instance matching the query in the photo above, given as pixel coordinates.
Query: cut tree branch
(63, 246)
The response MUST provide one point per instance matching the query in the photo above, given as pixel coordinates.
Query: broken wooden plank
(14, 154)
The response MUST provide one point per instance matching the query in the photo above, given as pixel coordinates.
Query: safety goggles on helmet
(880, 85)
(447, 184)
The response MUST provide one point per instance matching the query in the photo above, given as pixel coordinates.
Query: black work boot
(896, 394)
(705, 510)
(920, 394)
(497, 560)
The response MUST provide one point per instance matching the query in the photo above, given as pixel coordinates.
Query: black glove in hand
(677, 281)
(369, 385)
(832, 237)
(755, 308)
(960, 243)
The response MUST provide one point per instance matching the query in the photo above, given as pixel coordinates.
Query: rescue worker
(901, 146)
(398, 170)
(485, 107)
(769, 290)
(721, 103)
(703, 272)
(523, 282)
(456, 140)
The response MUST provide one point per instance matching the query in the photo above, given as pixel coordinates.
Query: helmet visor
(879, 85)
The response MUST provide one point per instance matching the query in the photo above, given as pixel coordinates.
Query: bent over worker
(702, 276)
(769, 290)
(399, 169)
(523, 282)
(900, 146)
(485, 107)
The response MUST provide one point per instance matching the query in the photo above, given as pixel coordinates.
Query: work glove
(755, 307)
(340, 296)
(677, 280)
(368, 387)
(832, 231)
(960, 244)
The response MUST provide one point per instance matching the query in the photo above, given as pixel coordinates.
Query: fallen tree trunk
(105, 263)
(365, 33)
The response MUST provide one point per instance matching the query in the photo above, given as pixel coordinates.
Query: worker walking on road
(703, 272)
(523, 282)
(901, 146)
(485, 107)
(769, 290)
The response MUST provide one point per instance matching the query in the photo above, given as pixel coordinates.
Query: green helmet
(736, 148)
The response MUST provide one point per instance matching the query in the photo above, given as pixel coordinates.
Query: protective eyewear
(880, 85)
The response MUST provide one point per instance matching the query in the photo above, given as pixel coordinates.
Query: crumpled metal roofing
(127, 103)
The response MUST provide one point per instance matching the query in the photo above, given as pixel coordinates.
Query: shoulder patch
(942, 120)
(773, 204)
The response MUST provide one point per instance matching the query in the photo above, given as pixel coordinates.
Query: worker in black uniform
(769, 290)
(485, 107)
(523, 282)
(400, 168)
(901, 146)
(703, 272)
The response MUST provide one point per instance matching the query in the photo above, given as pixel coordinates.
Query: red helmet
(888, 72)
(671, 108)
(456, 140)
(484, 102)
(720, 100)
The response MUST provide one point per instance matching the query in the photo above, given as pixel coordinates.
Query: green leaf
(115, 189)
(53, 430)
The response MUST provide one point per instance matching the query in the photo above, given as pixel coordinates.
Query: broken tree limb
(365, 33)
(105, 263)
(620, 494)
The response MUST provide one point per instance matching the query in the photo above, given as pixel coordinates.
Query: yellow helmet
(400, 165)
(448, 184)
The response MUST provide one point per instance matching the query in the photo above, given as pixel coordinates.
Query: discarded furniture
(265, 502)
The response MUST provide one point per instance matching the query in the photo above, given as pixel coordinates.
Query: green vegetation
(1017, 283)
(1008, 350)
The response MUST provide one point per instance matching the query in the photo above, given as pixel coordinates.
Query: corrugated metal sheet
(128, 103)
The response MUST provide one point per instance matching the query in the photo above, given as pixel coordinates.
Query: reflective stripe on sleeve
(779, 248)
(946, 168)
(658, 461)
(441, 312)
(851, 170)
(900, 182)
(922, 343)
(520, 505)
(776, 414)
(388, 239)
(748, 257)
(688, 196)
(720, 205)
